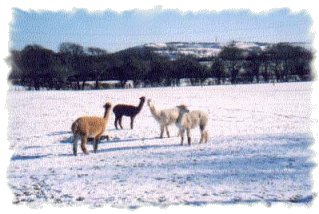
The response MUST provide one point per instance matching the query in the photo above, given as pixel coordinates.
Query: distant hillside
(205, 49)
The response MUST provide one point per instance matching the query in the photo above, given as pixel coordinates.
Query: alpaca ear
(182, 106)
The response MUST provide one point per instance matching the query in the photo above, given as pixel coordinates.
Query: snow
(258, 150)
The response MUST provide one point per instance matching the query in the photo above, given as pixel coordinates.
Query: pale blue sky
(115, 31)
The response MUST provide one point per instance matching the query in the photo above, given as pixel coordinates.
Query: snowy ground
(258, 150)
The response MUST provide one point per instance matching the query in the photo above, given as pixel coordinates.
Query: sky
(113, 31)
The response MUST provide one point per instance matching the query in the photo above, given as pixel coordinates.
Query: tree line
(73, 65)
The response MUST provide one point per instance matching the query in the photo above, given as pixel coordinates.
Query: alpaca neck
(154, 112)
(139, 107)
(180, 116)
(107, 114)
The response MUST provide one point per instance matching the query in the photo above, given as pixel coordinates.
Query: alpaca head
(183, 108)
(142, 99)
(107, 106)
(150, 103)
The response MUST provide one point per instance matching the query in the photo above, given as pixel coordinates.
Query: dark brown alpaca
(121, 110)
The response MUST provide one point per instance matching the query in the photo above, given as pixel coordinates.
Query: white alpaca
(85, 127)
(164, 117)
(189, 120)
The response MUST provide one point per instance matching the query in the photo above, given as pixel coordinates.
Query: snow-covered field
(259, 148)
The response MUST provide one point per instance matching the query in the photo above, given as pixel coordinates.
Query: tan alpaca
(85, 127)
(164, 117)
(189, 120)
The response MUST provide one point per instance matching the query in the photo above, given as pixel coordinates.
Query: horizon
(303, 44)
(113, 31)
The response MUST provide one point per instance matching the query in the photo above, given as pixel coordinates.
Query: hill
(206, 49)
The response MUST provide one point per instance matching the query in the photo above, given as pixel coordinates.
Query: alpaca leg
(116, 121)
(181, 133)
(120, 122)
(162, 131)
(202, 137)
(84, 145)
(95, 143)
(189, 137)
(132, 122)
(205, 136)
(75, 145)
(202, 134)
(167, 131)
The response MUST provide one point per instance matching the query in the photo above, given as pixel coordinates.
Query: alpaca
(127, 110)
(85, 127)
(164, 117)
(188, 120)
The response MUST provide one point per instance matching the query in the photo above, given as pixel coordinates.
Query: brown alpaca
(85, 127)
(121, 110)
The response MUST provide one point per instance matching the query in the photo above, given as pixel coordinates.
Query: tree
(252, 65)
(285, 53)
(217, 70)
(265, 65)
(141, 69)
(99, 67)
(37, 66)
(98, 63)
(287, 59)
(14, 60)
(122, 75)
(232, 56)
(160, 69)
(71, 48)
(96, 51)
(76, 62)
(189, 67)
(302, 63)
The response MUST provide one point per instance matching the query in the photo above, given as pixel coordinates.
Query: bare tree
(233, 58)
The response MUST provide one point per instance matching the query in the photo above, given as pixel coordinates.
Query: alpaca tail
(74, 127)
